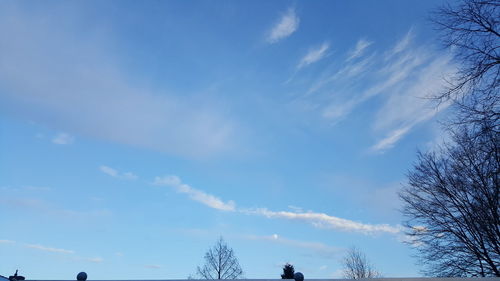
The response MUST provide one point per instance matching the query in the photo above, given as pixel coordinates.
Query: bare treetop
(356, 265)
(220, 263)
(471, 29)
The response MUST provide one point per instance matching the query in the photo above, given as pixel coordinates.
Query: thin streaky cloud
(314, 55)
(48, 249)
(359, 49)
(63, 138)
(403, 43)
(94, 260)
(4, 241)
(351, 69)
(390, 140)
(195, 194)
(59, 91)
(116, 174)
(404, 76)
(406, 109)
(153, 266)
(287, 24)
(318, 248)
(321, 220)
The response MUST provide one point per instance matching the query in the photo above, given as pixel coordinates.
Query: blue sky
(134, 134)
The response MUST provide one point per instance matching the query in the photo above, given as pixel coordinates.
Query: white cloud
(407, 108)
(321, 220)
(49, 249)
(403, 43)
(404, 77)
(109, 171)
(6, 241)
(114, 173)
(314, 55)
(55, 250)
(195, 194)
(287, 25)
(74, 82)
(391, 139)
(63, 138)
(359, 49)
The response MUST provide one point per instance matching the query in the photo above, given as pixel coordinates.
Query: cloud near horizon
(69, 253)
(318, 220)
(317, 248)
(321, 220)
(49, 249)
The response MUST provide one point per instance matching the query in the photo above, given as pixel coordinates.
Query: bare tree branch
(355, 265)
(471, 29)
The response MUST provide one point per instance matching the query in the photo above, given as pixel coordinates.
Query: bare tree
(451, 205)
(220, 263)
(356, 265)
(471, 29)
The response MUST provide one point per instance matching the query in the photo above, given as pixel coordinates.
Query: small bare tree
(356, 265)
(220, 263)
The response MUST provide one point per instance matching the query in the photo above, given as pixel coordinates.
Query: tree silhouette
(471, 30)
(220, 263)
(288, 271)
(451, 205)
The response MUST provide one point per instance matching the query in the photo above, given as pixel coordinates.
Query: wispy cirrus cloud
(404, 76)
(70, 254)
(65, 82)
(63, 138)
(5, 241)
(49, 249)
(403, 43)
(195, 194)
(390, 140)
(94, 260)
(322, 220)
(314, 55)
(406, 109)
(285, 26)
(116, 174)
(318, 248)
(318, 220)
(359, 49)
